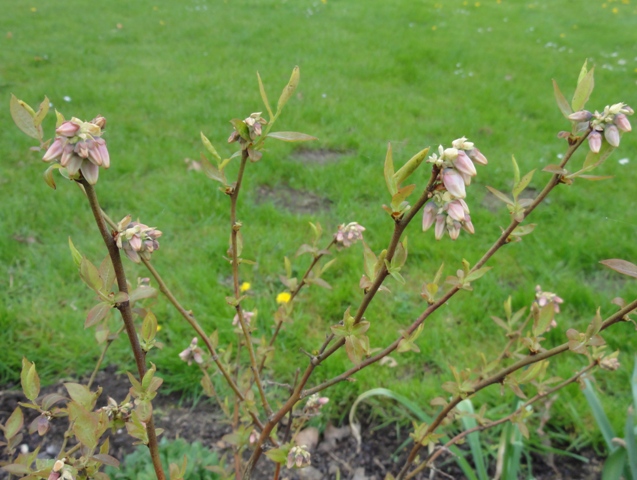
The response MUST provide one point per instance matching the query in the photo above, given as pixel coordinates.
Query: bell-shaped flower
(454, 183)
(429, 215)
(298, 457)
(192, 353)
(477, 156)
(611, 133)
(453, 228)
(580, 116)
(622, 122)
(467, 225)
(457, 209)
(349, 234)
(439, 231)
(463, 164)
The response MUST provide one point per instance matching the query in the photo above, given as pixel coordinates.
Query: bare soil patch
(337, 454)
(319, 156)
(293, 200)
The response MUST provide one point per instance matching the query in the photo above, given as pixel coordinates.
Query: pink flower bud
(622, 122)
(456, 210)
(67, 129)
(136, 243)
(454, 230)
(90, 171)
(54, 151)
(94, 154)
(101, 145)
(439, 231)
(99, 121)
(467, 225)
(475, 155)
(581, 116)
(429, 215)
(595, 141)
(81, 148)
(464, 164)
(454, 183)
(74, 164)
(612, 135)
(67, 153)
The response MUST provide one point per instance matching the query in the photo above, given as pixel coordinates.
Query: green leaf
(48, 175)
(241, 128)
(279, 455)
(401, 195)
(584, 89)
(42, 111)
(77, 256)
(82, 395)
(522, 184)
(500, 195)
(14, 424)
(594, 160)
(516, 171)
(370, 261)
(400, 255)
(289, 89)
(621, 266)
(142, 292)
(30, 380)
(210, 147)
(23, 116)
(555, 170)
(149, 327)
(475, 275)
(522, 230)
(213, 172)
(98, 313)
(546, 316)
(85, 425)
(90, 275)
(107, 274)
(291, 136)
(562, 103)
(389, 172)
(264, 97)
(410, 167)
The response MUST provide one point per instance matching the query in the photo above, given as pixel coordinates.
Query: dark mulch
(339, 457)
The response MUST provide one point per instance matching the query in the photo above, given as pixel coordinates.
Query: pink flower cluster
(136, 239)
(610, 122)
(447, 209)
(79, 147)
(545, 298)
(348, 235)
(192, 353)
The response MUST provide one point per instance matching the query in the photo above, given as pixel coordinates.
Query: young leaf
(500, 195)
(264, 97)
(389, 172)
(562, 103)
(90, 275)
(85, 425)
(23, 116)
(14, 424)
(522, 184)
(77, 256)
(48, 175)
(473, 276)
(107, 274)
(583, 91)
(516, 171)
(98, 313)
(410, 167)
(210, 147)
(291, 136)
(30, 380)
(149, 327)
(621, 266)
(555, 169)
(289, 89)
(42, 111)
(81, 395)
(213, 172)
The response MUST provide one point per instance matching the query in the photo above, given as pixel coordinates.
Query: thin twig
(127, 316)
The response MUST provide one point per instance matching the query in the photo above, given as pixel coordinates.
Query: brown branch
(486, 426)
(127, 315)
(500, 376)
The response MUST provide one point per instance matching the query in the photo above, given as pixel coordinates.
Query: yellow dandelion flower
(33, 9)
(245, 286)
(477, 4)
(615, 10)
(158, 328)
(434, 28)
(562, 35)
(283, 297)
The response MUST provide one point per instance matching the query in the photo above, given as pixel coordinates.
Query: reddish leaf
(621, 266)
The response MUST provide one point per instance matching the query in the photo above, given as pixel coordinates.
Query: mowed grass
(413, 73)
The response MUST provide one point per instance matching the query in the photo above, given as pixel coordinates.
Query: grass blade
(473, 439)
(600, 416)
(631, 444)
(614, 465)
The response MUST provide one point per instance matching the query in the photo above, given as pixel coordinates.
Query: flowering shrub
(263, 423)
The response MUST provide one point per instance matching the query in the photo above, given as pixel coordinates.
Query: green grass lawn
(413, 73)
